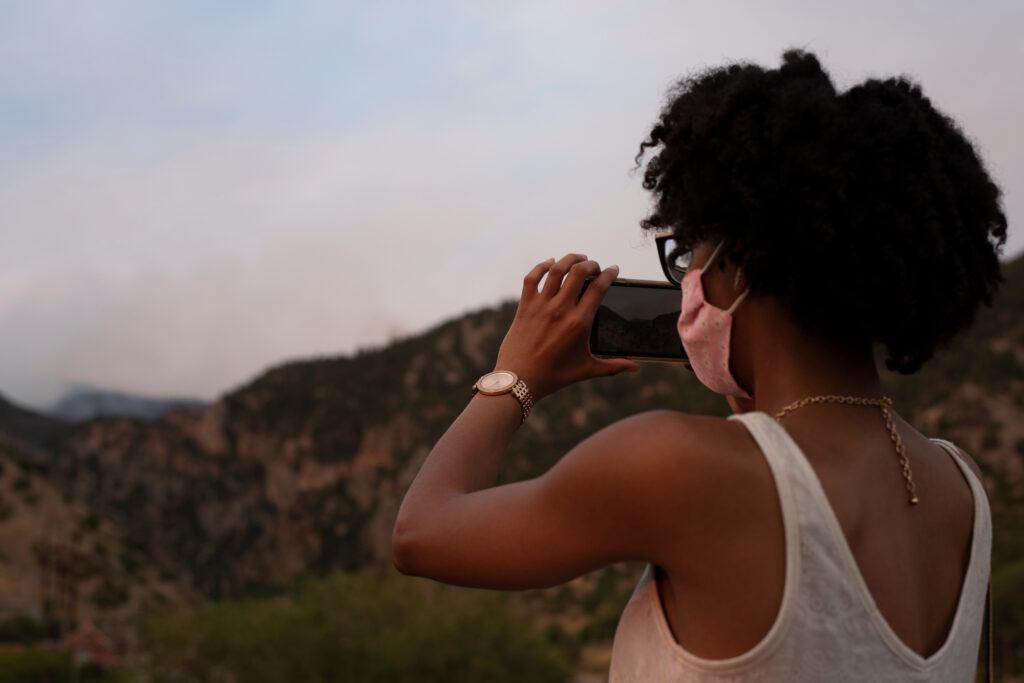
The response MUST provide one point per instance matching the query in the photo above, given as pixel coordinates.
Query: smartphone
(637, 319)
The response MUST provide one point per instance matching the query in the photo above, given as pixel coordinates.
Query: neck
(793, 366)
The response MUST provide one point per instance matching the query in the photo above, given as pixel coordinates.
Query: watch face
(496, 382)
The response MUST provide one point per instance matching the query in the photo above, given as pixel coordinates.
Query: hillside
(26, 430)
(302, 469)
(62, 563)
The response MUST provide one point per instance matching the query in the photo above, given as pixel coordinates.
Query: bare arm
(456, 526)
(591, 509)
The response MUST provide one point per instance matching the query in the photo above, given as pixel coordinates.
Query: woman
(814, 534)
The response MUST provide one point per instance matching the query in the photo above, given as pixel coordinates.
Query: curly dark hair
(868, 212)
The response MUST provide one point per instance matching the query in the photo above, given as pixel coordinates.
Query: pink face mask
(705, 332)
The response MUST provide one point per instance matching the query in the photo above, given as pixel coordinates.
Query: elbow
(401, 556)
(402, 549)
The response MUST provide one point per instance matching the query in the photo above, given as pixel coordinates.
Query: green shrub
(110, 593)
(1008, 617)
(353, 627)
(35, 665)
(23, 628)
(89, 522)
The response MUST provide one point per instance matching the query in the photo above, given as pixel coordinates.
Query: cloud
(244, 252)
(187, 195)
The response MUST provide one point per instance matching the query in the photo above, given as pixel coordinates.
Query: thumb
(613, 366)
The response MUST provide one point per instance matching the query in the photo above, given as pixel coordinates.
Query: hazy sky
(191, 191)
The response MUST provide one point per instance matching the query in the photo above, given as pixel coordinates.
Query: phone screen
(637, 318)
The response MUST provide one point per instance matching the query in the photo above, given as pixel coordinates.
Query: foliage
(353, 627)
(38, 665)
(1008, 611)
(22, 628)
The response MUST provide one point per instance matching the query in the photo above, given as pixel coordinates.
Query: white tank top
(828, 627)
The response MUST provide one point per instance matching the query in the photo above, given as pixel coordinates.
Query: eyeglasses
(674, 260)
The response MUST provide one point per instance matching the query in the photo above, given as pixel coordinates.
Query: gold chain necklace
(885, 403)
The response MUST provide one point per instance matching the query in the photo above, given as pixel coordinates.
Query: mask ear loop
(713, 255)
(735, 285)
(740, 298)
(735, 282)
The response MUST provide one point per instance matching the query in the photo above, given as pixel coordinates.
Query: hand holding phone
(547, 344)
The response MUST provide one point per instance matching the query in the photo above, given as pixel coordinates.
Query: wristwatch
(502, 382)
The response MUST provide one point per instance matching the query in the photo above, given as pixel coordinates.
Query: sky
(191, 192)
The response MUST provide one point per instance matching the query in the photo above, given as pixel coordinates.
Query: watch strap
(525, 398)
(521, 393)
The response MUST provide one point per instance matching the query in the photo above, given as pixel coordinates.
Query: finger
(595, 292)
(614, 366)
(553, 282)
(532, 278)
(573, 282)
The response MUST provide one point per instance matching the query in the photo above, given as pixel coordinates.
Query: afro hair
(868, 212)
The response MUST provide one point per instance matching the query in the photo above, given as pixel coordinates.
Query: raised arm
(598, 505)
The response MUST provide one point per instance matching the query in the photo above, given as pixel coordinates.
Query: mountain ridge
(85, 401)
(301, 469)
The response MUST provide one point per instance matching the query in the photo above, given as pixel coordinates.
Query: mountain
(26, 429)
(61, 562)
(302, 469)
(84, 402)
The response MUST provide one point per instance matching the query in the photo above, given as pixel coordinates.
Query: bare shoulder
(678, 437)
(682, 459)
(958, 452)
(711, 440)
(723, 451)
(971, 462)
(683, 471)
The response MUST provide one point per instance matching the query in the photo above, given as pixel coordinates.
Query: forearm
(546, 346)
(466, 458)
